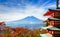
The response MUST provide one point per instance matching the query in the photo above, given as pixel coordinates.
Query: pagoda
(54, 20)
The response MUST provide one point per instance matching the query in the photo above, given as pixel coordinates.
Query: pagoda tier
(53, 13)
(54, 31)
(54, 20)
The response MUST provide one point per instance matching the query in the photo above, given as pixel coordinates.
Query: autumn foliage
(21, 32)
(18, 32)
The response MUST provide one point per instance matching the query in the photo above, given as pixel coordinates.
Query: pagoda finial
(57, 4)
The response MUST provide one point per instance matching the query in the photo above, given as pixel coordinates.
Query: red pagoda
(54, 21)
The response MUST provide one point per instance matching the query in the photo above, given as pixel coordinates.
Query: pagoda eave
(53, 28)
(54, 10)
(53, 19)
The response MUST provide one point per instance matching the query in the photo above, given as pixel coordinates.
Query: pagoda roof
(51, 11)
(53, 28)
(54, 19)
(54, 9)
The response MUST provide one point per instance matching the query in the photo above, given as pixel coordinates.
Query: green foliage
(7, 31)
(38, 35)
(47, 23)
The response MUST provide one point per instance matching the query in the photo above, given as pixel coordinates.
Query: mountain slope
(30, 22)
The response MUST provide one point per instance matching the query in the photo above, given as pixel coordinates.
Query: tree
(47, 23)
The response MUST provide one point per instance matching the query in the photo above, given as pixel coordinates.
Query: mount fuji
(30, 22)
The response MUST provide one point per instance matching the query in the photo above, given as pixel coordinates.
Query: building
(54, 21)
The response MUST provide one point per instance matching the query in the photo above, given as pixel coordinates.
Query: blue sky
(11, 10)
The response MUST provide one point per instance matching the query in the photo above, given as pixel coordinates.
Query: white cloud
(45, 3)
(11, 14)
